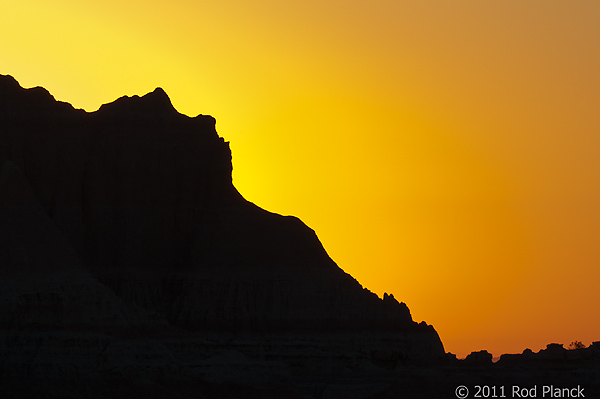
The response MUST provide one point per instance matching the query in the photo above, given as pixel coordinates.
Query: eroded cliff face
(127, 216)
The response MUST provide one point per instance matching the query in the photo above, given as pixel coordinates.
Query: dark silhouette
(125, 247)
(576, 345)
(130, 266)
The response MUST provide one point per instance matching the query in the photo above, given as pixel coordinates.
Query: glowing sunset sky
(447, 152)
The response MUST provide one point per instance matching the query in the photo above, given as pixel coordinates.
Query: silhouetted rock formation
(124, 222)
(480, 358)
(553, 353)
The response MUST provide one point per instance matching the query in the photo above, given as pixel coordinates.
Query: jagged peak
(8, 81)
(16, 99)
(8, 84)
(157, 101)
(12, 91)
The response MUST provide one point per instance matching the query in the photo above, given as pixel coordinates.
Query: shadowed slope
(138, 200)
(144, 194)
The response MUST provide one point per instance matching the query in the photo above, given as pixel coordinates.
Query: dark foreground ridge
(130, 266)
(127, 254)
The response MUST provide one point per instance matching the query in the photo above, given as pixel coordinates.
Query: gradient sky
(445, 152)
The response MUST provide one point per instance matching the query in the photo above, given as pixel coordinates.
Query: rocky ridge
(127, 254)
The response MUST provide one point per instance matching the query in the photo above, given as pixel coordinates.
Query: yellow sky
(446, 152)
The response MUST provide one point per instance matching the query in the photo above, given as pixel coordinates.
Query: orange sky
(446, 152)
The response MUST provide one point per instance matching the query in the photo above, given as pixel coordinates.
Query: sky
(444, 152)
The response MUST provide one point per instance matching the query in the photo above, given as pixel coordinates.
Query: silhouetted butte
(124, 222)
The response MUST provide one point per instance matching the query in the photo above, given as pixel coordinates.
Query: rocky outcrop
(126, 219)
(554, 353)
(482, 357)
